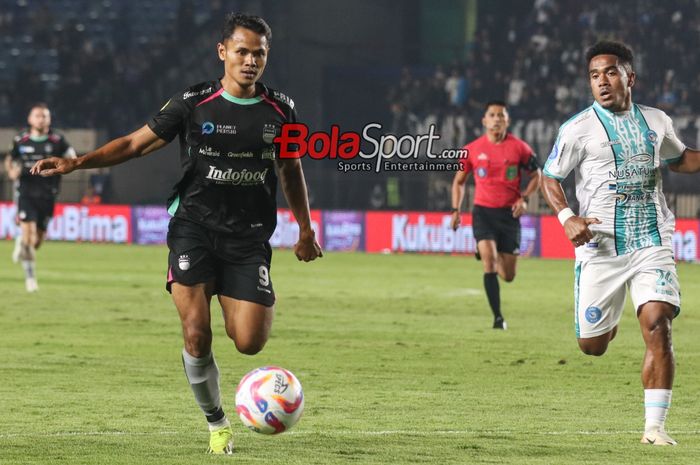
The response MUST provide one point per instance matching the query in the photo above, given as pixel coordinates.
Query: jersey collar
(43, 138)
(599, 107)
(244, 101)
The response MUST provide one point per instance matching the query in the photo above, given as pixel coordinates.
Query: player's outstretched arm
(688, 163)
(575, 227)
(140, 142)
(293, 185)
(457, 197)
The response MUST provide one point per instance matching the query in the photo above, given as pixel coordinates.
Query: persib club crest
(651, 136)
(270, 131)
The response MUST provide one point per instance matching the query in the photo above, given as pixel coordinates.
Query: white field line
(354, 433)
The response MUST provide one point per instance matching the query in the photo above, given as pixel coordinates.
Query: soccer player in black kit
(224, 207)
(36, 196)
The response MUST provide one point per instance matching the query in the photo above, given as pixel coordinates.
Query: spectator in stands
(90, 197)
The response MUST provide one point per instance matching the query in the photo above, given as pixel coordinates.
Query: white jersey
(616, 159)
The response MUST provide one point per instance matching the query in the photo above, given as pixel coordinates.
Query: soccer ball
(269, 400)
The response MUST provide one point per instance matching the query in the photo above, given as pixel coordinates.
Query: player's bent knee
(197, 340)
(595, 349)
(250, 346)
(659, 325)
(508, 277)
(490, 267)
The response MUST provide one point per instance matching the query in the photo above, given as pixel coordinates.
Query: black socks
(493, 293)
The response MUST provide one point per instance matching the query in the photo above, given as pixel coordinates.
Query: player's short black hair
(610, 47)
(41, 105)
(500, 103)
(254, 23)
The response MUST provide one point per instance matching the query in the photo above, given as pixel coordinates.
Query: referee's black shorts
(497, 224)
(238, 269)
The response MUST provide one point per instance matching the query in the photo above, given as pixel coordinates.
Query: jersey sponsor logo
(640, 159)
(240, 154)
(268, 153)
(208, 151)
(236, 178)
(609, 143)
(225, 129)
(283, 98)
(189, 94)
(626, 173)
(593, 314)
(208, 128)
(270, 131)
(26, 149)
(642, 197)
(582, 118)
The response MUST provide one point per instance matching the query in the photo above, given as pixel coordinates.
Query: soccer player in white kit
(623, 231)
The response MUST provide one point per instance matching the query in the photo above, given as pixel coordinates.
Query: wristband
(565, 214)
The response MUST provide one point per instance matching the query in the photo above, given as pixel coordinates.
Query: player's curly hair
(611, 47)
(254, 23)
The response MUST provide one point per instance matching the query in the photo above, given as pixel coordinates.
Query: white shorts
(600, 287)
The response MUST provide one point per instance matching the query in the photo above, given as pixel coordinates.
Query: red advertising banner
(72, 222)
(421, 232)
(287, 232)
(91, 223)
(553, 241)
(8, 216)
(685, 240)
(417, 232)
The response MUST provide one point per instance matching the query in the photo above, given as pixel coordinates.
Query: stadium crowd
(83, 57)
(535, 63)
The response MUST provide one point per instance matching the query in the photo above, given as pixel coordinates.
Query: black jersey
(227, 154)
(27, 150)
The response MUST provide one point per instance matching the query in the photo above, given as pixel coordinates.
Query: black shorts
(240, 270)
(497, 224)
(37, 210)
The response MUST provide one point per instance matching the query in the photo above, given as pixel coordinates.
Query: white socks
(656, 405)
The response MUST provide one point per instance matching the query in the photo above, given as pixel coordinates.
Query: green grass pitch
(395, 353)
